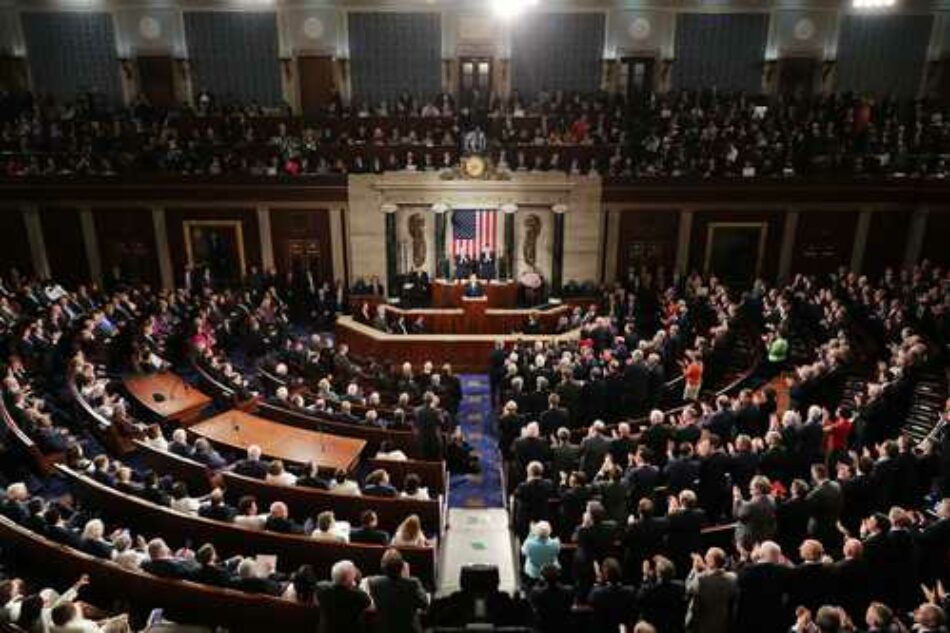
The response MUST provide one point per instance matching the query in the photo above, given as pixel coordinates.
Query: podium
(498, 294)
(475, 308)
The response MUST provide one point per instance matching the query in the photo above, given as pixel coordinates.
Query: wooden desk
(238, 430)
(177, 400)
(466, 352)
(499, 294)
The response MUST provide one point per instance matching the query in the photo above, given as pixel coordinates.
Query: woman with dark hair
(303, 585)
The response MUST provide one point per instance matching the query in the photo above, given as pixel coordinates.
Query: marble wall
(532, 193)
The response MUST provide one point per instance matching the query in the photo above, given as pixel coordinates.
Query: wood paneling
(302, 239)
(936, 248)
(157, 79)
(887, 239)
(647, 238)
(773, 220)
(824, 241)
(175, 219)
(16, 250)
(65, 249)
(315, 74)
(127, 244)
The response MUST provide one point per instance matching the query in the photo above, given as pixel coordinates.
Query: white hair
(656, 416)
(93, 530)
(179, 435)
(254, 452)
(541, 529)
(282, 392)
(280, 369)
(342, 571)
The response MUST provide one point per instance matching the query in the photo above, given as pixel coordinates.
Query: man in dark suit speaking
(473, 288)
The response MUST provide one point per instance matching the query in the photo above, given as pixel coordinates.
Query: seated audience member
(162, 562)
(206, 454)
(342, 602)
(397, 596)
(412, 488)
(387, 451)
(182, 501)
(251, 466)
(377, 485)
(277, 475)
(313, 479)
(327, 529)
(368, 532)
(409, 533)
(94, 541)
(253, 578)
(540, 549)
(216, 508)
(67, 617)
(179, 444)
(210, 571)
(278, 520)
(247, 514)
(343, 485)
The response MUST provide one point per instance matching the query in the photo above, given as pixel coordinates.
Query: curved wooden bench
(180, 599)
(230, 539)
(44, 462)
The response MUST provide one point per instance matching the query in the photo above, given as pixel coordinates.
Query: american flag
(473, 230)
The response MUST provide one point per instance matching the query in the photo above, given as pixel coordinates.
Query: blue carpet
(475, 417)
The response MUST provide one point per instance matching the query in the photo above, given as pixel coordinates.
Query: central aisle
(478, 521)
(476, 536)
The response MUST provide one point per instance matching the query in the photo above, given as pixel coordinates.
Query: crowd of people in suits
(836, 517)
(678, 134)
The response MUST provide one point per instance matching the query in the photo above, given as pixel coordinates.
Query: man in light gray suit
(755, 517)
(713, 592)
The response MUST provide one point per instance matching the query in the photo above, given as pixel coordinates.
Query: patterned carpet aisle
(475, 416)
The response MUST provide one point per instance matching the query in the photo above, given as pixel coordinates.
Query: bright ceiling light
(510, 9)
(873, 4)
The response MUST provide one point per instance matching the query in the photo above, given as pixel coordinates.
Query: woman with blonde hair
(409, 533)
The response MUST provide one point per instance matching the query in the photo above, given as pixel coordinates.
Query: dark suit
(341, 608)
(428, 429)
(593, 451)
(552, 607)
(369, 536)
(250, 468)
(663, 604)
(171, 568)
(683, 536)
(762, 588)
(533, 503)
(398, 602)
(756, 520)
(825, 501)
(810, 585)
(851, 586)
(613, 605)
(553, 419)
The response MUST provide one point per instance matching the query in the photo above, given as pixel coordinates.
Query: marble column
(860, 240)
(161, 248)
(441, 263)
(91, 243)
(267, 241)
(509, 211)
(392, 248)
(557, 249)
(34, 236)
(682, 244)
(915, 236)
(788, 245)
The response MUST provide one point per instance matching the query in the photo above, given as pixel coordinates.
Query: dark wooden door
(315, 73)
(796, 76)
(475, 80)
(157, 80)
(640, 76)
(13, 73)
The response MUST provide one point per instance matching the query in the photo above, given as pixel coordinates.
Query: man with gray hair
(251, 466)
(342, 602)
(762, 586)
